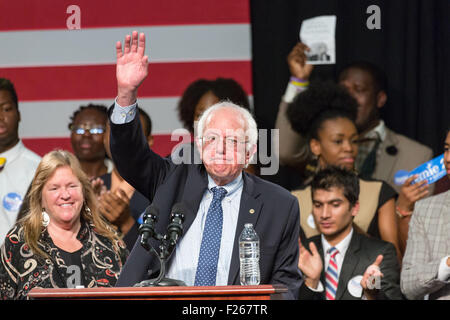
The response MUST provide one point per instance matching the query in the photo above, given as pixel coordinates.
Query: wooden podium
(261, 292)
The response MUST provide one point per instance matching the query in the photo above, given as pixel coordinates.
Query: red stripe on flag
(162, 144)
(99, 81)
(52, 14)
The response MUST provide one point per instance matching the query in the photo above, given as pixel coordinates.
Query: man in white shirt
(343, 264)
(19, 163)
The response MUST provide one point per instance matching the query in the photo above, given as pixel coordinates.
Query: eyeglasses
(93, 130)
(230, 142)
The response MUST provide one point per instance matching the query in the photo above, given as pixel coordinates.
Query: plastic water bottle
(249, 256)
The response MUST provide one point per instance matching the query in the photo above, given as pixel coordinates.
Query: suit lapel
(318, 242)
(349, 264)
(249, 211)
(386, 161)
(193, 194)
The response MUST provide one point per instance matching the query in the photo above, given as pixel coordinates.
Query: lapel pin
(252, 211)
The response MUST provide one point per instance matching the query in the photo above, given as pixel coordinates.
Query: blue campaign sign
(432, 170)
(400, 177)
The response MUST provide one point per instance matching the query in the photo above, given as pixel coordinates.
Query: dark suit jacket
(273, 210)
(361, 253)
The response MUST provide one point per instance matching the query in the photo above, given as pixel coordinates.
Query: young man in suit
(207, 254)
(343, 264)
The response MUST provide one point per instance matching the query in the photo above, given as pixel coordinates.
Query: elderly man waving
(207, 254)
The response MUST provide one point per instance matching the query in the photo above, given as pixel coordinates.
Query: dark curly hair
(99, 107)
(337, 177)
(320, 102)
(222, 88)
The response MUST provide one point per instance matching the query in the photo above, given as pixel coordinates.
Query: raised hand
(372, 278)
(297, 62)
(131, 68)
(311, 265)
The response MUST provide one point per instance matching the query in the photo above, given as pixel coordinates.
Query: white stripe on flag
(216, 42)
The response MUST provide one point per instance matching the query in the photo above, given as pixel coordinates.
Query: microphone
(175, 227)
(147, 229)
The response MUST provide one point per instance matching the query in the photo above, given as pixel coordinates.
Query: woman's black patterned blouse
(21, 270)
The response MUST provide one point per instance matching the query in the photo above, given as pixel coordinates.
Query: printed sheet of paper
(319, 35)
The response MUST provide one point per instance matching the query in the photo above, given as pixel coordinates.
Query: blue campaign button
(12, 201)
(141, 218)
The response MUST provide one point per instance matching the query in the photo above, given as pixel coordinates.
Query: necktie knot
(219, 193)
(333, 252)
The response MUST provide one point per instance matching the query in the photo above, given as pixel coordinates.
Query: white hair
(251, 127)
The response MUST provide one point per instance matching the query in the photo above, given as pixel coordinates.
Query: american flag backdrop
(56, 69)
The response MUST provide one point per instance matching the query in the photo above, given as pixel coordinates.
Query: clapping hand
(116, 208)
(311, 265)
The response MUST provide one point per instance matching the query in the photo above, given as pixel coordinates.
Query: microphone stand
(165, 250)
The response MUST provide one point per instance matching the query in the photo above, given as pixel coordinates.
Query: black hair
(333, 176)
(378, 75)
(7, 85)
(320, 102)
(100, 108)
(147, 120)
(222, 88)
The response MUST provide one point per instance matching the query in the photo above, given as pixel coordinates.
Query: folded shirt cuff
(121, 115)
(318, 289)
(444, 270)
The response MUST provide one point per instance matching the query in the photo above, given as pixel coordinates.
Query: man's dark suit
(273, 210)
(362, 252)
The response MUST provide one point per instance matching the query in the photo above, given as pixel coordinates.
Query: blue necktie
(210, 247)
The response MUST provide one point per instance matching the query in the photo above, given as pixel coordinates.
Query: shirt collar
(231, 187)
(379, 130)
(13, 152)
(341, 246)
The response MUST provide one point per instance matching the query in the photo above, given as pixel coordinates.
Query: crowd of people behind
(71, 220)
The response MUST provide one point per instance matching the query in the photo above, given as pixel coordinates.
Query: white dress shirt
(342, 248)
(187, 252)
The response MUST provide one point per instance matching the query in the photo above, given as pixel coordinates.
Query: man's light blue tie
(210, 247)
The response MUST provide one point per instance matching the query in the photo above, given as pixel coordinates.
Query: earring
(88, 211)
(45, 218)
